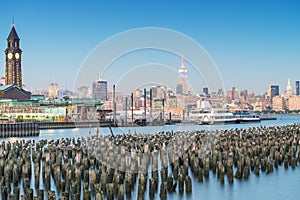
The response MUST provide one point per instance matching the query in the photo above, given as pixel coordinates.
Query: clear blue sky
(254, 43)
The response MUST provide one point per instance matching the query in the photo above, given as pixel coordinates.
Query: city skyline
(270, 90)
(247, 40)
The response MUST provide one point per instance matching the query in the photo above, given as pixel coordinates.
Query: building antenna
(13, 22)
(52, 78)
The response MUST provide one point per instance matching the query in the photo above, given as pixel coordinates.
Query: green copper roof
(4, 87)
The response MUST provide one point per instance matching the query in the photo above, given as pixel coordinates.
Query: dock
(81, 124)
(267, 118)
(28, 129)
(19, 130)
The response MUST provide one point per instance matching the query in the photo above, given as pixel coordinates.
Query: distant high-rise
(13, 72)
(159, 92)
(99, 88)
(53, 91)
(274, 90)
(244, 95)
(297, 88)
(229, 96)
(235, 93)
(182, 80)
(84, 91)
(289, 90)
(220, 93)
(205, 91)
(178, 89)
(137, 93)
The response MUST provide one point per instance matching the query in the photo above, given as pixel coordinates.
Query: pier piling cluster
(154, 165)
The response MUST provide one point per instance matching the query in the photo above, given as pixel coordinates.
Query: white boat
(194, 115)
(216, 117)
(246, 117)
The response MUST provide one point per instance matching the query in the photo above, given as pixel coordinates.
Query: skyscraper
(235, 93)
(289, 90)
(182, 80)
(297, 88)
(229, 96)
(13, 72)
(53, 91)
(205, 90)
(99, 88)
(178, 89)
(220, 93)
(274, 90)
(244, 95)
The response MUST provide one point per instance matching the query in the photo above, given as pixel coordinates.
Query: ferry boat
(193, 116)
(209, 117)
(216, 117)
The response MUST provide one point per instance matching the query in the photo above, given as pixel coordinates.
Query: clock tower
(13, 72)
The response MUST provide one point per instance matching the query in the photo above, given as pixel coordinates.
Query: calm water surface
(280, 184)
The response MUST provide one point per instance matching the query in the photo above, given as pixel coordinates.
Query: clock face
(9, 55)
(17, 55)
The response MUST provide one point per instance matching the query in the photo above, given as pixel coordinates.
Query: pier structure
(113, 166)
(19, 130)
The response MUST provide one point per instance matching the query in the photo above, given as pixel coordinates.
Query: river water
(280, 184)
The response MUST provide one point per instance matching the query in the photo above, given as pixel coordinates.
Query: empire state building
(182, 87)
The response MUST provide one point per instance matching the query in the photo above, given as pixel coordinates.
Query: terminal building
(17, 104)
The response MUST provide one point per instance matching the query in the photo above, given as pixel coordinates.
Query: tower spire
(289, 88)
(13, 22)
(13, 72)
(13, 36)
(183, 87)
